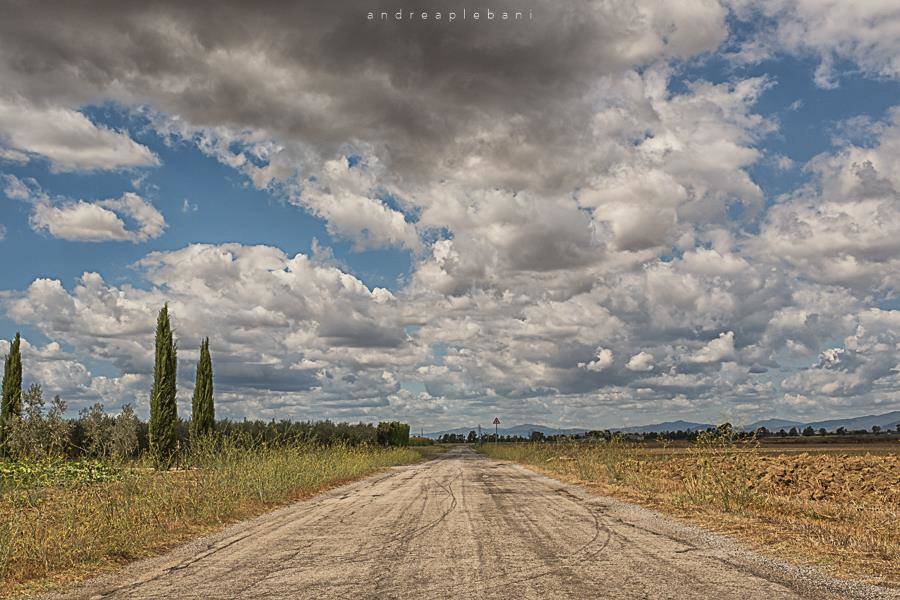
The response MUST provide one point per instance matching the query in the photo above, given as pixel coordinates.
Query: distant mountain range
(666, 426)
(887, 421)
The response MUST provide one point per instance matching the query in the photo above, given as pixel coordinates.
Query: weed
(116, 514)
(723, 474)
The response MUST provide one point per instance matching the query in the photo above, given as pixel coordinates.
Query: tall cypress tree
(202, 411)
(11, 405)
(163, 410)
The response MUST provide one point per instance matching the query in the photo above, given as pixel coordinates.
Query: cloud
(83, 221)
(319, 80)
(841, 228)
(343, 197)
(603, 361)
(60, 372)
(466, 110)
(65, 137)
(642, 361)
(16, 189)
(717, 350)
(277, 323)
(100, 221)
(864, 33)
(87, 221)
(13, 156)
(869, 357)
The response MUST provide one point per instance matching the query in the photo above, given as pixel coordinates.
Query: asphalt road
(463, 526)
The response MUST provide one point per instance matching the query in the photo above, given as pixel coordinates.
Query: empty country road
(463, 526)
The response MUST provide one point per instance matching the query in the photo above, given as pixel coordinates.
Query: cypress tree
(163, 410)
(11, 405)
(202, 411)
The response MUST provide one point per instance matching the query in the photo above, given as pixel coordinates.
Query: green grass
(51, 534)
(55, 473)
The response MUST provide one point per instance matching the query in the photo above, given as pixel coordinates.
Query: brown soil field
(824, 506)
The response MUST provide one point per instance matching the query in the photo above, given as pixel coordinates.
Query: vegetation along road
(464, 525)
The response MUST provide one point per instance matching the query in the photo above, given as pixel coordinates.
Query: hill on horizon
(887, 421)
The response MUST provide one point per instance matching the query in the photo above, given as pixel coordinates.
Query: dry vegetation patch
(55, 530)
(837, 510)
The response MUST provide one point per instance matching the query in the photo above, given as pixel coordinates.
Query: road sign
(496, 421)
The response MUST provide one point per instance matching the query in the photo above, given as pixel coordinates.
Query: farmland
(836, 506)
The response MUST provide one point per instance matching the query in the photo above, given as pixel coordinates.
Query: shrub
(123, 438)
(34, 436)
(393, 433)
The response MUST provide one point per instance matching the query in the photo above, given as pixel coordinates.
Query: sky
(612, 213)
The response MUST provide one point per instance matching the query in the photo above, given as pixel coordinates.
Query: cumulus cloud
(870, 357)
(277, 323)
(65, 137)
(60, 372)
(642, 361)
(842, 227)
(83, 221)
(864, 33)
(345, 197)
(717, 350)
(101, 221)
(602, 362)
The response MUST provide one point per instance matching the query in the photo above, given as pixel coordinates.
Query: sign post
(496, 434)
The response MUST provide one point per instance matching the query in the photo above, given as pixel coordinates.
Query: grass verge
(837, 511)
(51, 535)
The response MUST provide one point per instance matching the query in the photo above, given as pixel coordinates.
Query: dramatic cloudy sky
(620, 212)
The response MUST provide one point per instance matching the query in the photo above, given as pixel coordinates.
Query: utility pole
(479, 433)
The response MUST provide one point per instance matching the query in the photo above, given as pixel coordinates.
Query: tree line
(688, 435)
(29, 429)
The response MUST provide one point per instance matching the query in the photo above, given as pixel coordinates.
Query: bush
(393, 433)
(34, 435)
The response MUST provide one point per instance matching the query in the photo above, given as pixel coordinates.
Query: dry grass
(839, 511)
(54, 535)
